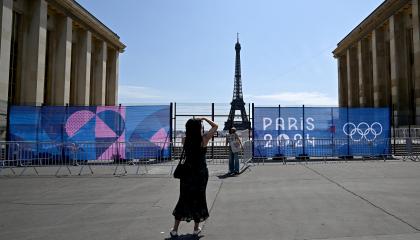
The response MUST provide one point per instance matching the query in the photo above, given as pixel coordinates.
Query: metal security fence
(85, 157)
(19, 158)
(320, 148)
(217, 112)
(404, 132)
(412, 149)
(82, 155)
(321, 132)
(141, 139)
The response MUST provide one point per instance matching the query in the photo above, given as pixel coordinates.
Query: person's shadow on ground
(185, 237)
(228, 175)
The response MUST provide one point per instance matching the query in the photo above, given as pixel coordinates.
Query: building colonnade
(55, 53)
(379, 61)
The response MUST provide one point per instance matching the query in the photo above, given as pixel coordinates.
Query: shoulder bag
(181, 169)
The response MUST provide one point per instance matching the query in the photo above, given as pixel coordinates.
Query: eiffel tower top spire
(237, 89)
(237, 101)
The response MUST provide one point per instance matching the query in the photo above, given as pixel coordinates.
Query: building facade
(54, 52)
(379, 61)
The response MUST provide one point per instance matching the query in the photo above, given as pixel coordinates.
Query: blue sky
(183, 51)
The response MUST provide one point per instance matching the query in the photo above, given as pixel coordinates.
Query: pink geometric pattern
(77, 121)
(80, 118)
(102, 129)
(120, 110)
(160, 138)
(114, 149)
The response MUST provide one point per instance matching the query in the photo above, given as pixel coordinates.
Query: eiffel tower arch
(237, 103)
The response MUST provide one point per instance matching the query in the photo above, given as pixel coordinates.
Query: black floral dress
(192, 204)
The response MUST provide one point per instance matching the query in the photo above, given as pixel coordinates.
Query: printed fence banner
(321, 131)
(97, 133)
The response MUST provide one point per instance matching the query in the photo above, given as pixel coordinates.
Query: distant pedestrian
(235, 146)
(192, 204)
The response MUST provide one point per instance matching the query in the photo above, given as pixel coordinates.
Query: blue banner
(321, 131)
(102, 132)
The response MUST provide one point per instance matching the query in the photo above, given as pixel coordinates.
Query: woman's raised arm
(211, 132)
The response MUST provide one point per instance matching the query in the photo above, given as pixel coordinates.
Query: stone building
(379, 61)
(54, 52)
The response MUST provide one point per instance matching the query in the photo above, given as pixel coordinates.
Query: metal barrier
(413, 132)
(408, 148)
(247, 156)
(75, 157)
(87, 155)
(324, 149)
(217, 151)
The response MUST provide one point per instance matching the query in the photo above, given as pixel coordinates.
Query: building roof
(374, 20)
(90, 22)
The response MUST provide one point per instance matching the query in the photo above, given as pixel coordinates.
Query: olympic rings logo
(362, 131)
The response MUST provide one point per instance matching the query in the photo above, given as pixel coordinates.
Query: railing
(407, 148)
(407, 132)
(320, 147)
(139, 157)
(333, 149)
(76, 158)
(32, 155)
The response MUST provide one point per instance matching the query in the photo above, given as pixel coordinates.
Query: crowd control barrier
(321, 149)
(75, 140)
(84, 157)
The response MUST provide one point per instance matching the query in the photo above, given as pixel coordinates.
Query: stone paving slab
(414, 236)
(336, 201)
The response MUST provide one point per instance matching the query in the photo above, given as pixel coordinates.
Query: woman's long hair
(193, 138)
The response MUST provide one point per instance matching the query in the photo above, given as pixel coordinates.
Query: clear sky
(183, 50)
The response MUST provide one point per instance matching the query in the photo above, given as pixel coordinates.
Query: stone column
(365, 81)
(33, 61)
(80, 85)
(416, 50)
(112, 78)
(6, 18)
(60, 82)
(98, 74)
(353, 77)
(342, 81)
(381, 86)
(6, 23)
(398, 59)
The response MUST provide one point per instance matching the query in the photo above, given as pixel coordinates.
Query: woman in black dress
(192, 203)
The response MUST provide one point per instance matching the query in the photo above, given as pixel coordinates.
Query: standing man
(235, 146)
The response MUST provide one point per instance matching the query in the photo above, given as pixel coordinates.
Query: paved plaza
(335, 201)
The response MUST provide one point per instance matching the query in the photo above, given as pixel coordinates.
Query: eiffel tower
(238, 101)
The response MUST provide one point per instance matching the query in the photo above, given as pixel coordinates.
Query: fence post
(332, 130)
(278, 135)
(119, 154)
(174, 131)
(63, 150)
(253, 131)
(390, 131)
(8, 124)
(39, 122)
(393, 126)
(249, 129)
(7, 151)
(212, 137)
(348, 137)
(303, 132)
(409, 128)
(170, 130)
